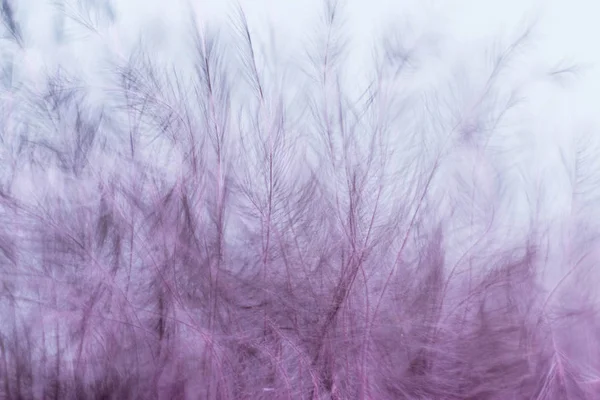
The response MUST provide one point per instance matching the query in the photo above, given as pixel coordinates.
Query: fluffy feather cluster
(227, 227)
